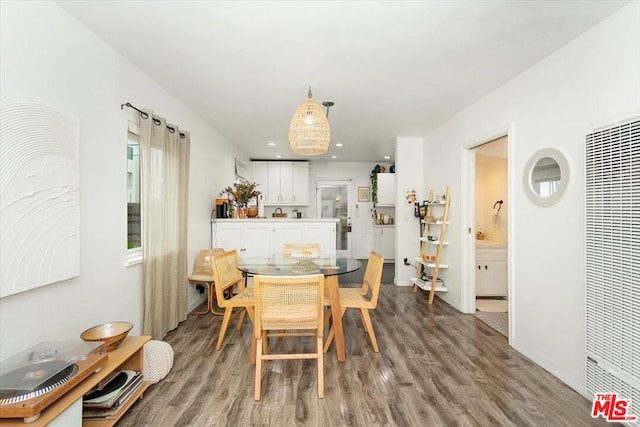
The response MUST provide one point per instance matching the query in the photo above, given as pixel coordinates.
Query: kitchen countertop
(384, 225)
(272, 219)
(488, 244)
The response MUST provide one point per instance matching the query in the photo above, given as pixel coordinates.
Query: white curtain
(164, 170)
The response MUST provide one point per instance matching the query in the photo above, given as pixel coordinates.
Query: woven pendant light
(309, 131)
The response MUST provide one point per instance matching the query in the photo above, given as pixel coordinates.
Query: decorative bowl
(305, 267)
(112, 334)
(305, 255)
(428, 258)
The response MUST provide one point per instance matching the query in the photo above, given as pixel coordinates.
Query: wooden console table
(128, 355)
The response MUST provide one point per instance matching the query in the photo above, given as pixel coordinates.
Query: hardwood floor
(436, 367)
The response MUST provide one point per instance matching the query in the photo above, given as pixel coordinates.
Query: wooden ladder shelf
(436, 205)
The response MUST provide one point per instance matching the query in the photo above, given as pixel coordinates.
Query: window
(134, 223)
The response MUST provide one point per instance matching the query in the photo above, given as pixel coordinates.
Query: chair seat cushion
(350, 297)
(298, 315)
(204, 278)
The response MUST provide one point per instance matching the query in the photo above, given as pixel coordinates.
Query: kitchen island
(253, 237)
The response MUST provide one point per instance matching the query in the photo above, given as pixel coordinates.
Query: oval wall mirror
(546, 176)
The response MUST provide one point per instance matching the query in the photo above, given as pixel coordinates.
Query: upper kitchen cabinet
(300, 183)
(386, 189)
(282, 183)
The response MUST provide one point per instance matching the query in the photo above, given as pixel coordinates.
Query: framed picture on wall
(364, 194)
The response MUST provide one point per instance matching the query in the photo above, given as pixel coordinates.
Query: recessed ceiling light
(339, 144)
(279, 156)
(271, 144)
(387, 157)
(334, 157)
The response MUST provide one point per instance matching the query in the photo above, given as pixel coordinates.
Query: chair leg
(252, 356)
(368, 326)
(265, 344)
(320, 368)
(199, 313)
(332, 332)
(329, 340)
(258, 356)
(212, 301)
(327, 317)
(223, 328)
(243, 314)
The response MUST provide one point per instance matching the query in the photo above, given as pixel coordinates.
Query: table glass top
(279, 266)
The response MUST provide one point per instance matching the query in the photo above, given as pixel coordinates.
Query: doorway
(487, 283)
(333, 200)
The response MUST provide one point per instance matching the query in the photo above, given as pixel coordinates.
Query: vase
(242, 212)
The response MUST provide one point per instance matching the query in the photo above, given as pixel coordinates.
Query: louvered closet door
(613, 262)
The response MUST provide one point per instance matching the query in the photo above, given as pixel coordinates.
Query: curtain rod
(146, 116)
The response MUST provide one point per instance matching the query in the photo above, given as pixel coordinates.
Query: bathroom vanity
(491, 269)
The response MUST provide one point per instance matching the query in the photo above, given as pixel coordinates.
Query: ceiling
(393, 68)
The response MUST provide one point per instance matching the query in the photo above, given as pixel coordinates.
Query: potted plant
(240, 194)
(374, 185)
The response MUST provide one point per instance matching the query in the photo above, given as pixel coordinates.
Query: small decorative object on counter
(480, 235)
(279, 214)
(260, 206)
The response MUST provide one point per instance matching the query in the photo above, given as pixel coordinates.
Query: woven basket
(280, 214)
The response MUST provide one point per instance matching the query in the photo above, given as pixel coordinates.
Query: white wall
(592, 80)
(409, 175)
(46, 55)
(491, 186)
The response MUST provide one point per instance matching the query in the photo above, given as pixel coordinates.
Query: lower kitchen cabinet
(249, 240)
(385, 242)
(255, 237)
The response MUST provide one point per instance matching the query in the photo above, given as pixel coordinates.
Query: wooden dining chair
(289, 248)
(364, 298)
(288, 306)
(227, 275)
(202, 274)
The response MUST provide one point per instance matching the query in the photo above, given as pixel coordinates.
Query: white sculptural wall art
(39, 196)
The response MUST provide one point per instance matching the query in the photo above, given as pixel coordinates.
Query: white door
(333, 200)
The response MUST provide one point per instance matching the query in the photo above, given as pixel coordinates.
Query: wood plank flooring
(436, 367)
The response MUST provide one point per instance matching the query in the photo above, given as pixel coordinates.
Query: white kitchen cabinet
(386, 189)
(323, 234)
(248, 239)
(491, 272)
(300, 183)
(282, 183)
(257, 237)
(385, 242)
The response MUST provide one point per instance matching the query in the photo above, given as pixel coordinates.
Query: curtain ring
(156, 122)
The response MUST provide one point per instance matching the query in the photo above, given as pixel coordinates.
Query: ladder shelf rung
(430, 264)
(426, 286)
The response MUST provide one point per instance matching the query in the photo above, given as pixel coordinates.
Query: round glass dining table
(330, 266)
(287, 266)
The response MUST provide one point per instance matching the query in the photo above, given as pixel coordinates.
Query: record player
(35, 378)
